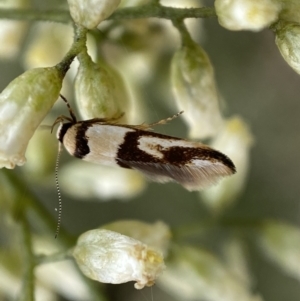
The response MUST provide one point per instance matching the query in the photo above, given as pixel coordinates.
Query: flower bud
(102, 182)
(11, 31)
(100, 91)
(110, 257)
(288, 42)
(236, 260)
(235, 140)
(194, 274)
(23, 105)
(156, 235)
(281, 243)
(289, 10)
(246, 14)
(48, 44)
(90, 13)
(195, 91)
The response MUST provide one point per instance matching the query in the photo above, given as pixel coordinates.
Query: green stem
(186, 38)
(158, 11)
(78, 45)
(155, 2)
(152, 10)
(27, 290)
(39, 214)
(59, 16)
(56, 257)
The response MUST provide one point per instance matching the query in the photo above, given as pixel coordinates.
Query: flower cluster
(111, 257)
(107, 82)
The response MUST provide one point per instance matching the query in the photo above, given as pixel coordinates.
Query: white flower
(89, 13)
(195, 91)
(110, 257)
(156, 235)
(281, 243)
(110, 183)
(48, 43)
(11, 35)
(11, 31)
(195, 275)
(288, 43)
(246, 14)
(236, 260)
(235, 140)
(23, 105)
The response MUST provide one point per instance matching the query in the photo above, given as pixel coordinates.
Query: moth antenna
(72, 114)
(58, 190)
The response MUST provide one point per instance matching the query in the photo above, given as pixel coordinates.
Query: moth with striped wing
(160, 158)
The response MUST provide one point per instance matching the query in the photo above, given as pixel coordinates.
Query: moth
(159, 157)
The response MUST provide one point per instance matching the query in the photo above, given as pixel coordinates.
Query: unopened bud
(48, 44)
(156, 235)
(110, 257)
(194, 274)
(246, 14)
(11, 31)
(236, 260)
(100, 91)
(110, 183)
(281, 243)
(288, 43)
(23, 105)
(195, 91)
(89, 13)
(235, 140)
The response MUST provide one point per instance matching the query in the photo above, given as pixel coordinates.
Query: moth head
(62, 129)
(64, 126)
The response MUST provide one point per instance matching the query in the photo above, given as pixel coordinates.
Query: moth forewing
(159, 157)
(193, 165)
(104, 141)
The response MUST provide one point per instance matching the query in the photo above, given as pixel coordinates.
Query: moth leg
(60, 119)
